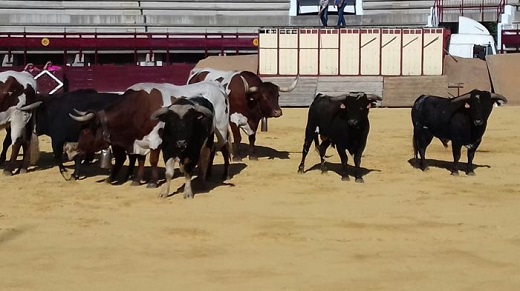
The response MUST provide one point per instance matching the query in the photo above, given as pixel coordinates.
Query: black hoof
(151, 185)
(8, 173)
(360, 180)
(237, 159)
(345, 178)
(425, 169)
(470, 173)
(455, 173)
(253, 157)
(23, 171)
(135, 183)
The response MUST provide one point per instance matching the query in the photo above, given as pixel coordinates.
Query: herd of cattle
(190, 123)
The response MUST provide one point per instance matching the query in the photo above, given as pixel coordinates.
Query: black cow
(341, 121)
(187, 137)
(52, 119)
(462, 120)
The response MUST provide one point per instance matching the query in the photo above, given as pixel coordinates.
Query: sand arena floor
(269, 228)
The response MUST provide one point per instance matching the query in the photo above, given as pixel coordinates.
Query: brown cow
(127, 127)
(17, 99)
(122, 123)
(250, 100)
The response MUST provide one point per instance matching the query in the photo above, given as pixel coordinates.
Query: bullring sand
(269, 228)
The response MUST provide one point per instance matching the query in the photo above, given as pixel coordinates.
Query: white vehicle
(472, 40)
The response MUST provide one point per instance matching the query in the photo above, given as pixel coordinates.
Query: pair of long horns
(176, 108)
(497, 97)
(281, 89)
(371, 97)
(82, 116)
(31, 106)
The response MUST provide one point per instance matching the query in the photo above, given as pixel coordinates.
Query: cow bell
(105, 159)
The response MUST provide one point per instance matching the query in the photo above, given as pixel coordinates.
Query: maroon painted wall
(111, 78)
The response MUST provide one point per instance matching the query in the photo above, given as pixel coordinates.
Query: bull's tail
(34, 149)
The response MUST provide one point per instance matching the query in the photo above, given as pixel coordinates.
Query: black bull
(187, 137)
(462, 120)
(341, 121)
(52, 119)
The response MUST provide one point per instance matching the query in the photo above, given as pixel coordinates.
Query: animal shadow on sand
(7, 234)
(264, 152)
(447, 165)
(204, 187)
(47, 161)
(336, 168)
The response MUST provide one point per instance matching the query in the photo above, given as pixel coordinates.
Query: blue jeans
(324, 16)
(341, 17)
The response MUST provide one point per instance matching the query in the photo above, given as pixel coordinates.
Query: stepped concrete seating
(72, 16)
(196, 15)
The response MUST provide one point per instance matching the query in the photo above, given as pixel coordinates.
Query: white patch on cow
(23, 78)
(241, 121)
(150, 141)
(170, 167)
(18, 120)
(181, 110)
(223, 77)
(70, 149)
(317, 130)
(212, 91)
(166, 90)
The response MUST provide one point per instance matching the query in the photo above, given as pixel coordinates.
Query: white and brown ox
(126, 125)
(17, 100)
(250, 100)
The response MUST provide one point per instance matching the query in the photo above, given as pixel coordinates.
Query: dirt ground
(269, 228)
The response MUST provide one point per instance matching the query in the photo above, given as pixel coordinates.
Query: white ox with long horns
(17, 100)
(250, 100)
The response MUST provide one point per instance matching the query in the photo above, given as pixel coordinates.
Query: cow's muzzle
(277, 113)
(181, 144)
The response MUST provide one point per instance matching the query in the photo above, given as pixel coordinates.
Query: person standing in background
(324, 12)
(340, 4)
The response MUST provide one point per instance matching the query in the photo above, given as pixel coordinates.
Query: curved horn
(246, 86)
(80, 113)
(339, 98)
(501, 100)
(374, 97)
(203, 110)
(462, 97)
(83, 118)
(158, 112)
(290, 88)
(30, 106)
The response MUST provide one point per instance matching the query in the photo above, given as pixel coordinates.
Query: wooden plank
(402, 91)
(503, 70)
